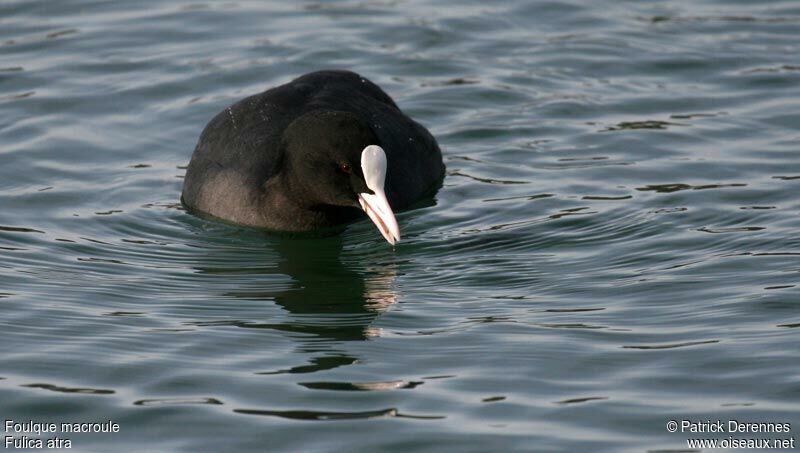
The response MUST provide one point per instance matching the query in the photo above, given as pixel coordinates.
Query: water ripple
(361, 386)
(177, 401)
(61, 389)
(671, 345)
(307, 415)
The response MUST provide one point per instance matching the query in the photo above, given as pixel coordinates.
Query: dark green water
(615, 245)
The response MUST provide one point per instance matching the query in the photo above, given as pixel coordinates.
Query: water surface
(615, 245)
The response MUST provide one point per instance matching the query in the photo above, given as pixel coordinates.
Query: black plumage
(288, 159)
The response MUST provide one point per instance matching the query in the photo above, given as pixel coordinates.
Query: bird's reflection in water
(323, 283)
(329, 301)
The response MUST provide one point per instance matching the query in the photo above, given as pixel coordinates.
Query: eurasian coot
(313, 153)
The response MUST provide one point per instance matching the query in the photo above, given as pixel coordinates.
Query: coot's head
(333, 159)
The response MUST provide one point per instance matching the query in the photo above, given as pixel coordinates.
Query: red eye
(346, 168)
